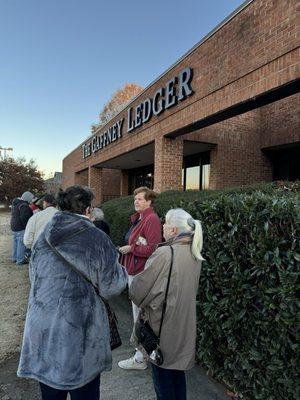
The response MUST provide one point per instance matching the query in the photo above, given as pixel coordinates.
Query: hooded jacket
(66, 341)
(20, 214)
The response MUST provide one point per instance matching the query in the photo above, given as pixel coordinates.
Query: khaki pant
(135, 312)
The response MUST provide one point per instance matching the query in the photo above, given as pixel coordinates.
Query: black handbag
(115, 338)
(145, 334)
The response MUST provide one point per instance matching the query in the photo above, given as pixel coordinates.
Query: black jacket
(20, 214)
(103, 226)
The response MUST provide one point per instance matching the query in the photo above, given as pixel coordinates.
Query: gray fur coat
(66, 341)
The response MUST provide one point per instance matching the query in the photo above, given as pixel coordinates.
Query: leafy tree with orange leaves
(117, 102)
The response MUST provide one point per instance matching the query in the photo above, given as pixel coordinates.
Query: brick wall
(167, 164)
(111, 183)
(237, 159)
(95, 183)
(81, 178)
(124, 183)
(280, 122)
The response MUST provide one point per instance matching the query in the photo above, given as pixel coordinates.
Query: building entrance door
(143, 176)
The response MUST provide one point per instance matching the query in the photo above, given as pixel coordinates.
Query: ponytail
(197, 243)
(182, 220)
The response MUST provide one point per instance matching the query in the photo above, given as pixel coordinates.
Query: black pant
(169, 384)
(90, 391)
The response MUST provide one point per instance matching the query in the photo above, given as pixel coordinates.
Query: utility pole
(4, 150)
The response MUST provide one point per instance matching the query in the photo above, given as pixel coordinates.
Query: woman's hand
(125, 249)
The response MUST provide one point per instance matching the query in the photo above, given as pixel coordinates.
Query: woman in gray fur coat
(66, 343)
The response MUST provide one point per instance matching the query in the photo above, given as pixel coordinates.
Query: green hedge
(247, 306)
(118, 211)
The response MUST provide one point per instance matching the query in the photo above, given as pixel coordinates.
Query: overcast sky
(62, 59)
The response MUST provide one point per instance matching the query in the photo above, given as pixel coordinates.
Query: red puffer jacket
(147, 231)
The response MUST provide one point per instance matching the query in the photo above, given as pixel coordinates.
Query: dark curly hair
(75, 199)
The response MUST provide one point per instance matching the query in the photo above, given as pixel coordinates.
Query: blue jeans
(90, 391)
(19, 249)
(169, 384)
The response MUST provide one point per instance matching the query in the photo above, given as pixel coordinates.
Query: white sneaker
(131, 363)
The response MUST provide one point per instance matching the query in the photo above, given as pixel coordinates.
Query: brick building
(226, 114)
(53, 184)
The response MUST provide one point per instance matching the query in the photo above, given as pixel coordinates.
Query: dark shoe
(22, 262)
(26, 259)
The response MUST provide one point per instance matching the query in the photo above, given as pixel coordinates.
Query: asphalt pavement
(117, 384)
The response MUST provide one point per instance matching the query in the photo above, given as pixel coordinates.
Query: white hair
(97, 214)
(182, 220)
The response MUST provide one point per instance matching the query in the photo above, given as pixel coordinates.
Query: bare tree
(115, 104)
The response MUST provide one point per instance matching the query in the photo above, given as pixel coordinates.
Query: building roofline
(185, 55)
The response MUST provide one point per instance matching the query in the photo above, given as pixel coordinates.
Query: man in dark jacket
(20, 214)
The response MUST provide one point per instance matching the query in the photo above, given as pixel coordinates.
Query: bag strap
(166, 295)
(75, 269)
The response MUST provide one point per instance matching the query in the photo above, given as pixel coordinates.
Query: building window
(141, 177)
(205, 176)
(286, 164)
(195, 172)
(192, 178)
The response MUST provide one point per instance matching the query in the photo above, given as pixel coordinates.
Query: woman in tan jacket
(178, 335)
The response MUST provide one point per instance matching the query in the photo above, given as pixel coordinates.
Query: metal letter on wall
(185, 79)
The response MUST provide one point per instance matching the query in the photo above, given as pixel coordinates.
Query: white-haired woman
(97, 217)
(147, 291)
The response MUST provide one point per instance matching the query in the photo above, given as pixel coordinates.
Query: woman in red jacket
(142, 238)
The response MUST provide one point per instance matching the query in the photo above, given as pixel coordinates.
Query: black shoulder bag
(145, 334)
(115, 339)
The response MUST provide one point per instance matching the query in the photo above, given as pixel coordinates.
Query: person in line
(39, 220)
(66, 341)
(34, 207)
(147, 291)
(39, 203)
(141, 240)
(20, 214)
(97, 217)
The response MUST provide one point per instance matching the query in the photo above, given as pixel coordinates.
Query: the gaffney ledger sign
(176, 89)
